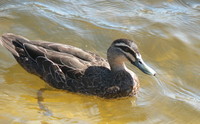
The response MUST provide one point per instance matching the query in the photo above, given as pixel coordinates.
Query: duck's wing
(50, 61)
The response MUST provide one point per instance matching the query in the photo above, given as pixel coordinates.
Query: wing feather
(62, 66)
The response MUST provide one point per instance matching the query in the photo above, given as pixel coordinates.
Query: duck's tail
(9, 40)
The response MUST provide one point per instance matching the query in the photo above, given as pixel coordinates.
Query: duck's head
(122, 50)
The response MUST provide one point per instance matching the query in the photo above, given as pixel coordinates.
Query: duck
(76, 70)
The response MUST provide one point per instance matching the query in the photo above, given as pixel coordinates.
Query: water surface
(167, 33)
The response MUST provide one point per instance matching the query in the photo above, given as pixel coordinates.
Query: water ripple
(188, 95)
(111, 16)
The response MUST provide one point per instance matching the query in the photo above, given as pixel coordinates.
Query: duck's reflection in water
(77, 105)
(40, 99)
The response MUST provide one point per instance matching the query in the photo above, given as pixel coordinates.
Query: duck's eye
(126, 49)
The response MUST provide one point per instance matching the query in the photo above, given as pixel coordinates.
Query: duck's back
(62, 66)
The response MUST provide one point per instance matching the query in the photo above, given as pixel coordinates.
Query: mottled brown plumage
(73, 69)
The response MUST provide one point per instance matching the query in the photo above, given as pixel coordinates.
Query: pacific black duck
(73, 69)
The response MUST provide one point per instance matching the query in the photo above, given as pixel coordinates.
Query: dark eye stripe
(128, 50)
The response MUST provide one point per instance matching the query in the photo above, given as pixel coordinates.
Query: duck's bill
(144, 67)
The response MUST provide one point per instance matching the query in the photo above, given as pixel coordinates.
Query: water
(167, 33)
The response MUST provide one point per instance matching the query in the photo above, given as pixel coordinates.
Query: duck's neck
(117, 65)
